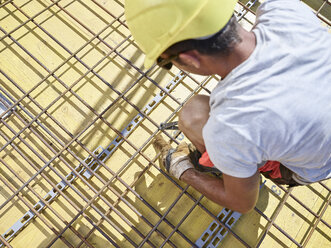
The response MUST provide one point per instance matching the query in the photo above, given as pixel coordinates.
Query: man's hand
(175, 161)
(238, 194)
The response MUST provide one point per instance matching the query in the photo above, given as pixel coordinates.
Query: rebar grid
(33, 134)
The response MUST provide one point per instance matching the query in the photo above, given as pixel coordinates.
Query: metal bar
(24, 23)
(69, 88)
(304, 206)
(29, 215)
(147, 168)
(71, 178)
(148, 108)
(208, 237)
(326, 205)
(271, 222)
(51, 195)
(244, 11)
(89, 169)
(324, 186)
(162, 218)
(40, 205)
(181, 222)
(4, 242)
(213, 226)
(324, 19)
(206, 210)
(47, 223)
(5, 3)
(184, 190)
(4, 105)
(309, 210)
(73, 55)
(117, 53)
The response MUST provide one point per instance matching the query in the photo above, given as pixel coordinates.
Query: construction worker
(270, 113)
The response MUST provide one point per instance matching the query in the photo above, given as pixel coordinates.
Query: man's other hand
(175, 161)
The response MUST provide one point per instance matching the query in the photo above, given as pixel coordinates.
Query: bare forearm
(211, 187)
(214, 189)
(239, 194)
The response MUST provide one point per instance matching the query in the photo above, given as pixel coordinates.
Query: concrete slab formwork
(78, 113)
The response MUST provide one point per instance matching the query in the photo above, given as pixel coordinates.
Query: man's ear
(190, 58)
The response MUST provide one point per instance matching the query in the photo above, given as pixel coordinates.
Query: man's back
(276, 105)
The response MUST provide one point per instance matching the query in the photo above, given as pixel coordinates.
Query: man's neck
(240, 53)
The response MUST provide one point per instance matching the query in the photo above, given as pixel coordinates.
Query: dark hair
(221, 42)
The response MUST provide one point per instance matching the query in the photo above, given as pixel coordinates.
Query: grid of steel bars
(27, 117)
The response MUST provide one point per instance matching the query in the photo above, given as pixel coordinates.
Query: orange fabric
(205, 160)
(272, 166)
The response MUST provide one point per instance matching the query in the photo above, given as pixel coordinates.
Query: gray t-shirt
(277, 104)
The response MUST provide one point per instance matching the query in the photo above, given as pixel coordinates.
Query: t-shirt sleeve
(230, 151)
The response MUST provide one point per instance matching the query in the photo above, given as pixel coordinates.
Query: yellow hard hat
(158, 24)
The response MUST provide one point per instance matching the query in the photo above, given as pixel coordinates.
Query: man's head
(163, 26)
(221, 43)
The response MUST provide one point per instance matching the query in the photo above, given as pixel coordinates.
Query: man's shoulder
(286, 11)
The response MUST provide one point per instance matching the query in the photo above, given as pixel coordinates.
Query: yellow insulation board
(74, 96)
